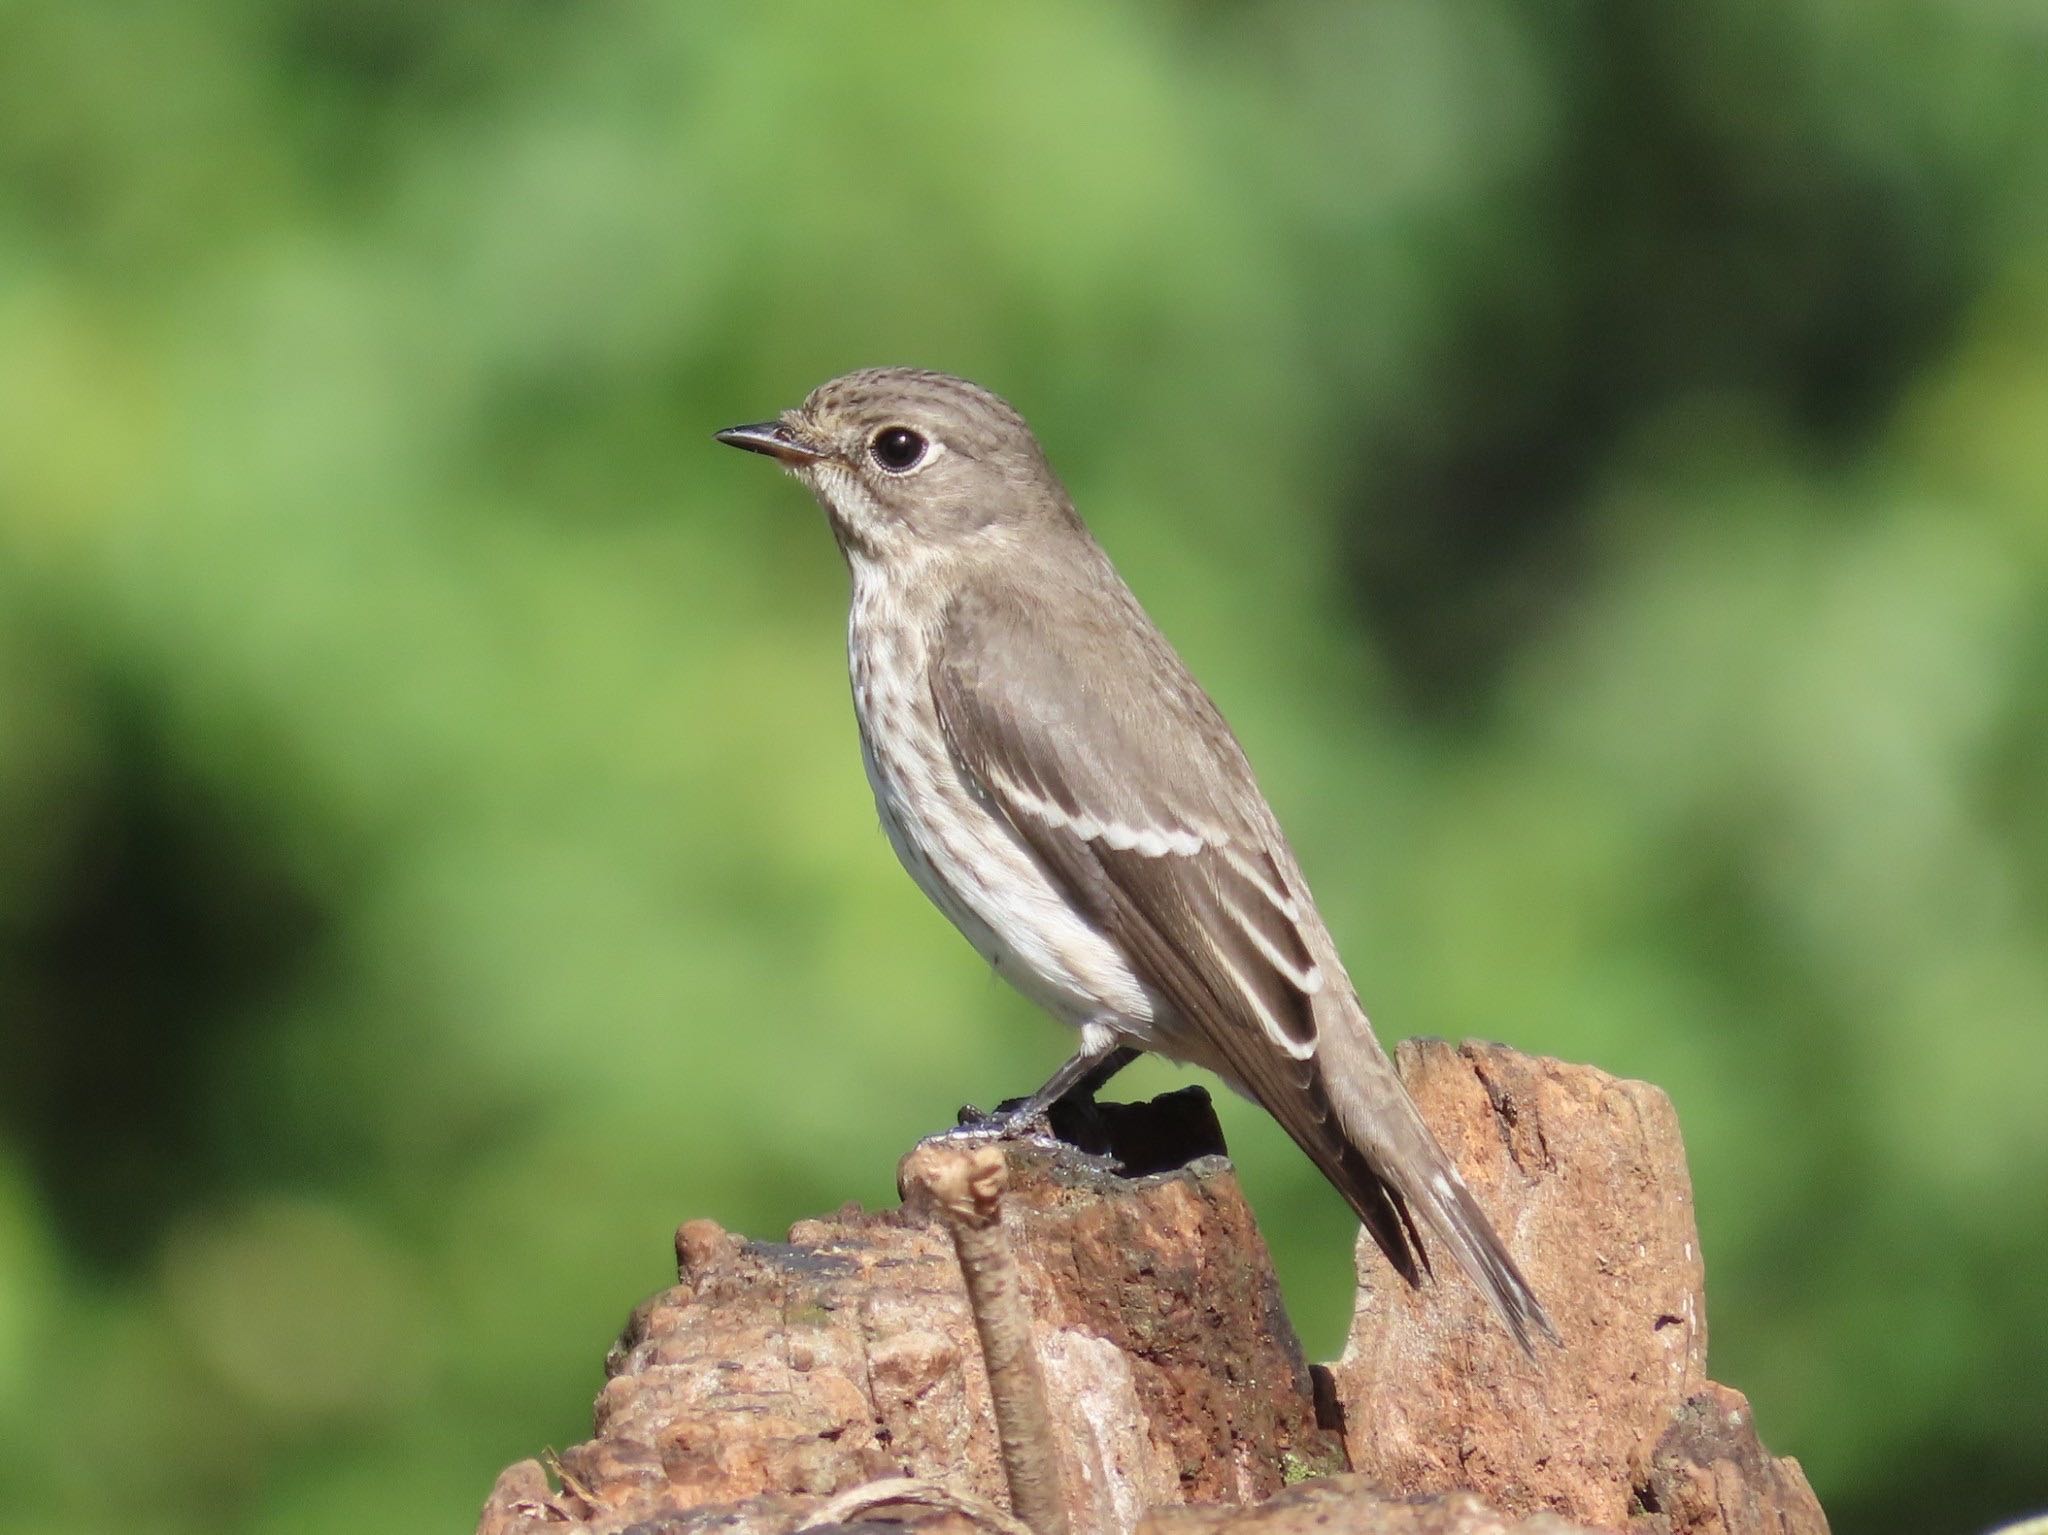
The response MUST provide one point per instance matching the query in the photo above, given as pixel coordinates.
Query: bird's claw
(1018, 1124)
(1013, 1123)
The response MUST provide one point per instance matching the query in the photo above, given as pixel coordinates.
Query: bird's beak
(774, 439)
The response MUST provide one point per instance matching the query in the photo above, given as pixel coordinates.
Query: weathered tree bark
(1621, 1427)
(779, 1385)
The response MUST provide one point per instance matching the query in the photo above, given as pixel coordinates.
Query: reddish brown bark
(775, 1376)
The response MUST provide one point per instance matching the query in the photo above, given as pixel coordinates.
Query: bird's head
(904, 460)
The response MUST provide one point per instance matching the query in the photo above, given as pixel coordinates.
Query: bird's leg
(1081, 1076)
(1107, 1065)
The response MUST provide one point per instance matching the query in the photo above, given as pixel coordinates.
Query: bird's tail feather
(1396, 1177)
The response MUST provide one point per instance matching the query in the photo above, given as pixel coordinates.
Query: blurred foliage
(1594, 452)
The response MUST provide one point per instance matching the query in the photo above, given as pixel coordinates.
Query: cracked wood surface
(776, 1375)
(847, 1353)
(1586, 1176)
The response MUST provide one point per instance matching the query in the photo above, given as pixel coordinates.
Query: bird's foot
(1022, 1119)
(1020, 1122)
(1060, 1116)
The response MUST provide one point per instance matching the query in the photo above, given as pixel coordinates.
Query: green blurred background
(1596, 453)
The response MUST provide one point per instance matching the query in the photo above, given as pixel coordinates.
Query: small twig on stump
(895, 1494)
(966, 1185)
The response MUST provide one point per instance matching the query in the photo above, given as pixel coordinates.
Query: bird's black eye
(897, 448)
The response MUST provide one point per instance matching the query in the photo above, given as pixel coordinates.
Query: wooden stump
(789, 1385)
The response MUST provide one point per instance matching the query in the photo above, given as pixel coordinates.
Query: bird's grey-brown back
(1064, 791)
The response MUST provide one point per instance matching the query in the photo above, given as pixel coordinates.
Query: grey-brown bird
(1062, 789)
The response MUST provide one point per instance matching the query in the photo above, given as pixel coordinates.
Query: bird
(1057, 783)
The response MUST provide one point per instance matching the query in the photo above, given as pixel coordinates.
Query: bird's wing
(1115, 769)
(1084, 731)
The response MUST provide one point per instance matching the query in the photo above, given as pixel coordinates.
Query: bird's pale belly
(975, 870)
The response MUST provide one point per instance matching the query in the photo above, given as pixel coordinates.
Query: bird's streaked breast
(965, 858)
